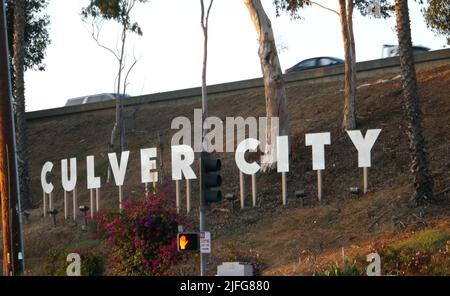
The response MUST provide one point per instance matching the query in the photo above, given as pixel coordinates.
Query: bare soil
(289, 239)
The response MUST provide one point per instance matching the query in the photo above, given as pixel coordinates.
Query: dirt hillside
(288, 239)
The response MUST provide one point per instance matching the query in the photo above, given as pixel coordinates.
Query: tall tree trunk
(204, 24)
(353, 79)
(423, 179)
(19, 95)
(119, 91)
(345, 14)
(276, 103)
(118, 127)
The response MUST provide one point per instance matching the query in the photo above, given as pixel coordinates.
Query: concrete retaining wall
(364, 70)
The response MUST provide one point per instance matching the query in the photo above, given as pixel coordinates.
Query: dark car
(315, 63)
(393, 50)
(94, 99)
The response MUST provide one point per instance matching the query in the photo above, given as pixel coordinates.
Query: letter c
(245, 167)
(46, 186)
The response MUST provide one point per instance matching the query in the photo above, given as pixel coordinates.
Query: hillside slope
(290, 239)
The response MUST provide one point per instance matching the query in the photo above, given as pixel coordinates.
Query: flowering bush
(142, 239)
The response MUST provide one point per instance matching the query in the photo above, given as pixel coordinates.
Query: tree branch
(96, 38)
(324, 7)
(207, 13)
(202, 20)
(125, 83)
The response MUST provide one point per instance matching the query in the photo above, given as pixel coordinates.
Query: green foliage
(424, 253)
(437, 17)
(293, 7)
(88, 243)
(425, 240)
(349, 269)
(387, 7)
(116, 10)
(329, 214)
(36, 32)
(102, 168)
(92, 260)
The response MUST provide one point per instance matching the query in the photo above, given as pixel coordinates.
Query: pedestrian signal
(188, 241)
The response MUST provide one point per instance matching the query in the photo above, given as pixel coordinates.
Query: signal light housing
(188, 241)
(210, 178)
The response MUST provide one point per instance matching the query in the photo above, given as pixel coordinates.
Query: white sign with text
(205, 242)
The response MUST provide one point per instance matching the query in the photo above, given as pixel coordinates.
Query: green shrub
(92, 262)
(424, 253)
(422, 241)
(349, 269)
(329, 214)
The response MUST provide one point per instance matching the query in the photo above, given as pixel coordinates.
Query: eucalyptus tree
(118, 11)
(437, 17)
(345, 14)
(275, 93)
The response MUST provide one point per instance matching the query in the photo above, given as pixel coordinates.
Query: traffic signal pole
(204, 24)
(202, 215)
(202, 220)
(13, 261)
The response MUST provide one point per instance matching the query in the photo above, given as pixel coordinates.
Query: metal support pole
(120, 199)
(202, 220)
(242, 188)
(85, 221)
(11, 209)
(319, 184)
(74, 203)
(44, 203)
(177, 195)
(254, 190)
(92, 202)
(204, 131)
(97, 199)
(283, 187)
(51, 201)
(188, 196)
(365, 179)
(65, 205)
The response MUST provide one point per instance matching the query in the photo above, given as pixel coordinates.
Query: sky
(170, 51)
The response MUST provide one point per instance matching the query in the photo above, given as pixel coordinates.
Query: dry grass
(291, 239)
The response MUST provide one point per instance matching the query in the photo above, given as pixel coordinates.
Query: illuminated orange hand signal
(183, 242)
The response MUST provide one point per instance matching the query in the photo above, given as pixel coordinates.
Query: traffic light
(188, 241)
(210, 179)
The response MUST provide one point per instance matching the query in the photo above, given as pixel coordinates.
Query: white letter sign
(318, 142)
(47, 168)
(364, 145)
(119, 172)
(182, 159)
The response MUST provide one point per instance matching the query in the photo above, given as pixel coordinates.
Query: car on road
(312, 63)
(94, 99)
(389, 50)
